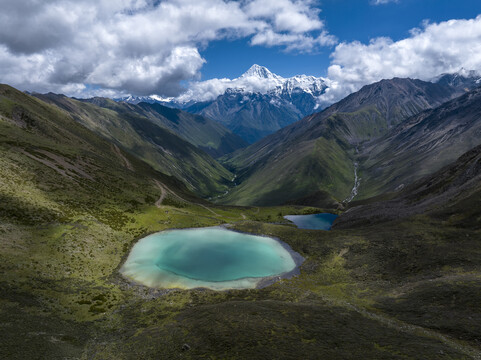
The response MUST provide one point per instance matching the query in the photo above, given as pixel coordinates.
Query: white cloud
(256, 80)
(434, 49)
(138, 46)
(299, 42)
(381, 2)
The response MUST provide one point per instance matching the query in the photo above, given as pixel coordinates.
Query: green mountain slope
(73, 205)
(316, 154)
(54, 169)
(155, 144)
(421, 145)
(206, 134)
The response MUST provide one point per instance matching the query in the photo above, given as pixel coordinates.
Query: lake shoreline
(260, 282)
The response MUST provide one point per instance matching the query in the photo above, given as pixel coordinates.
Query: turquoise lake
(214, 258)
(313, 222)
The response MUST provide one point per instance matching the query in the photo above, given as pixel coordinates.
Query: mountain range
(253, 105)
(320, 153)
(399, 161)
(171, 141)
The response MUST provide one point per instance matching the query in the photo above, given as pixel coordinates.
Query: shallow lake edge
(118, 277)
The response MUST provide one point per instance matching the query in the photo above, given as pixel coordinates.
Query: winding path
(165, 190)
(163, 194)
(126, 162)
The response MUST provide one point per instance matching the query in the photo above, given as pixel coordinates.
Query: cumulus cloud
(141, 47)
(257, 79)
(434, 49)
(250, 82)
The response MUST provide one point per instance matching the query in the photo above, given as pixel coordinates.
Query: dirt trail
(126, 162)
(165, 190)
(163, 194)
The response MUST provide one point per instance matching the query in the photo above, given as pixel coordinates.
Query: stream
(357, 182)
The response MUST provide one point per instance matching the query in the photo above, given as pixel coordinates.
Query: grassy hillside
(206, 134)
(73, 205)
(451, 194)
(325, 165)
(155, 144)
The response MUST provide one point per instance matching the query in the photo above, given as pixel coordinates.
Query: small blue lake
(214, 258)
(313, 222)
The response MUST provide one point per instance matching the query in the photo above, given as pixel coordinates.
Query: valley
(240, 180)
(82, 181)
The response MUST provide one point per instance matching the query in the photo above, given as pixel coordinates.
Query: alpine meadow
(254, 179)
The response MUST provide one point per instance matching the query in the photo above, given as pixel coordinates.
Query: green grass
(150, 139)
(325, 165)
(384, 291)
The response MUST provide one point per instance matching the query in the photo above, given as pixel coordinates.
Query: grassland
(406, 290)
(147, 137)
(72, 206)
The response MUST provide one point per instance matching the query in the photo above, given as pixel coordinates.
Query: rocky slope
(451, 194)
(421, 145)
(252, 116)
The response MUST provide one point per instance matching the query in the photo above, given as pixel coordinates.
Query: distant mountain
(127, 126)
(421, 145)
(252, 116)
(260, 102)
(253, 105)
(253, 112)
(461, 80)
(317, 154)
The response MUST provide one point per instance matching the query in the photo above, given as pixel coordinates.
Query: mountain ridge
(427, 142)
(452, 189)
(337, 130)
(157, 145)
(253, 105)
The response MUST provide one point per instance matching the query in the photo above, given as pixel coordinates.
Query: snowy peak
(262, 80)
(259, 72)
(461, 78)
(256, 80)
(136, 99)
(468, 74)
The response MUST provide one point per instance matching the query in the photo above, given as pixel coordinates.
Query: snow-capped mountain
(258, 102)
(462, 79)
(258, 79)
(153, 99)
(261, 72)
(254, 105)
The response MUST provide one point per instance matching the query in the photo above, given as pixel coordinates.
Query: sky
(348, 20)
(142, 47)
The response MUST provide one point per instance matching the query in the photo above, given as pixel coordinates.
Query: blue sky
(348, 20)
(179, 48)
